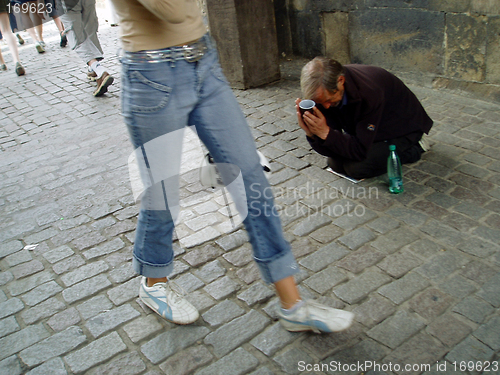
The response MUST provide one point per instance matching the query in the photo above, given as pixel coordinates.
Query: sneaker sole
(104, 86)
(297, 327)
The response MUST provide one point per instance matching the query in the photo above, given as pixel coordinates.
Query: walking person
(81, 25)
(13, 27)
(54, 10)
(10, 38)
(32, 16)
(171, 78)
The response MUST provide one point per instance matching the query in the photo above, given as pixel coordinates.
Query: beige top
(158, 24)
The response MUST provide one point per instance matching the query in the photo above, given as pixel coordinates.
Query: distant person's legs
(11, 42)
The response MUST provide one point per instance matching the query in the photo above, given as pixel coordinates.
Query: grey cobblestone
(324, 257)
(142, 327)
(85, 288)
(126, 364)
(108, 320)
(402, 289)
(8, 326)
(238, 362)
(44, 309)
(490, 333)
(64, 319)
(326, 234)
(233, 334)
(357, 238)
(373, 311)
(356, 289)
(10, 366)
(19, 257)
(421, 349)
(22, 339)
(27, 269)
(395, 240)
(395, 330)
(189, 282)
(362, 258)
(289, 359)
(223, 313)
(10, 248)
(449, 330)
(273, 339)
(233, 240)
(10, 307)
(84, 272)
(41, 293)
(257, 293)
(122, 273)
(94, 306)
(187, 361)
(211, 271)
(95, 353)
(104, 249)
(310, 224)
(240, 256)
(431, 303)
(398, 264)
(474, 309)
(326, 279)
(171, 342)
(490, 291)
(203, 255)
(442, 265)
(58, 254)
(221, 288)
(54, 346)
(54, 366)
(470, 349)
(125, 292)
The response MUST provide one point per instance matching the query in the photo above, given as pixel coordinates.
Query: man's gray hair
(320, 72)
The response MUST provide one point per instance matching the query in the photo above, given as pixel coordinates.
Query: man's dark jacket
(379, 107)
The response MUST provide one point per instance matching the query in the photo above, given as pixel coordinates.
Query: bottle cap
(392, 147)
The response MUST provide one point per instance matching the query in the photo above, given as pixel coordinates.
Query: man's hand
(309, 133)
(316, 123)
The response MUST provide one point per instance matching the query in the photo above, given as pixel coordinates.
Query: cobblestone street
(420, 270)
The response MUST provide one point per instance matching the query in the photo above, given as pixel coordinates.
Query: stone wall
(446, 43)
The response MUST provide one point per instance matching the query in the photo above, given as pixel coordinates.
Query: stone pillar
(245, 32)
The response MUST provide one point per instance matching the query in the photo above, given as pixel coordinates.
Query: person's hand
(316, 123)
(309, 133)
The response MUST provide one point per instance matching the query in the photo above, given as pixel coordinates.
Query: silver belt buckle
(193, 53)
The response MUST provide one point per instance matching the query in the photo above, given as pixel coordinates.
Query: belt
(189, 52)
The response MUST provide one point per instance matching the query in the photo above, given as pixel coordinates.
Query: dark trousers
(407, 148)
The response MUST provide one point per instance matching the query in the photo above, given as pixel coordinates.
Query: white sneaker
(167, 300)
(424, 143)
(312, 316)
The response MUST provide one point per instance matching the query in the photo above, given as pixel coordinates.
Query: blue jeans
(158, 100)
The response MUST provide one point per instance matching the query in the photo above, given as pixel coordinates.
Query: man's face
(328, 98)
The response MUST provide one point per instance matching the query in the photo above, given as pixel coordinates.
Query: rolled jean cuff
(279, 268)
(152, 271)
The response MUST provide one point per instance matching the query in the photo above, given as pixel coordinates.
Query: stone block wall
(447, 43)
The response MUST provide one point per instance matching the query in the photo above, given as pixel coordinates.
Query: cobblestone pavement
(420, 270)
